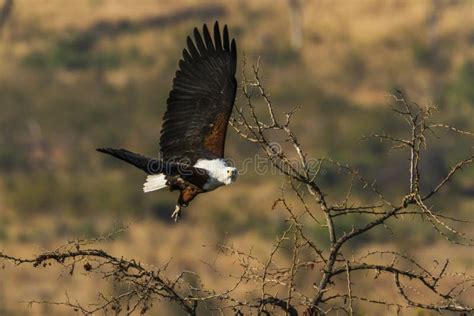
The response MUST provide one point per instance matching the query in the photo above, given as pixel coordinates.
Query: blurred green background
(81, 74)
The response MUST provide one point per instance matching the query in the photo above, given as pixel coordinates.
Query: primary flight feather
(195, 122)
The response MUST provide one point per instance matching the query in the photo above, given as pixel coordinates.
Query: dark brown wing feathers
(200, 103)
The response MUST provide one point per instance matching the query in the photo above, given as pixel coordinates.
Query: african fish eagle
(195, 122)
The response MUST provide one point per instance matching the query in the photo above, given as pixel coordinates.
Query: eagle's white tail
(154, 182)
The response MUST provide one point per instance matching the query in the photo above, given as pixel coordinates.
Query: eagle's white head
(230, 175)
(220, 173)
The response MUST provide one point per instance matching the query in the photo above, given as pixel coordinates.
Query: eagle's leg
(187, 194)
(176, 213)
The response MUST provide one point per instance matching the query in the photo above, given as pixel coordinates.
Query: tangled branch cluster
(334, 261)
(322, 277)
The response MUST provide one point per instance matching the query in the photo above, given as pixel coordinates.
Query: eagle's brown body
(188, 191)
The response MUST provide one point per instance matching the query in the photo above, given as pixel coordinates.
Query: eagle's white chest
(217, 170)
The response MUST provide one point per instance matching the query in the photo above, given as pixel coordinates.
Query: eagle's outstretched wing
(200, 103)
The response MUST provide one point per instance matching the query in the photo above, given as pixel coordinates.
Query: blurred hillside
(81, 74)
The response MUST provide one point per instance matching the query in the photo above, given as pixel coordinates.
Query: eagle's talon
(176, 213)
